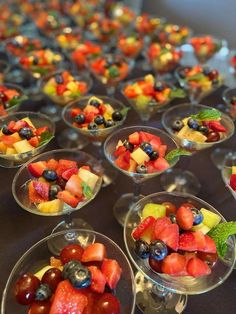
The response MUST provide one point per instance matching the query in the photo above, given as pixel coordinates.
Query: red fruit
(52, 164)
(98, 279)
(68, 300)
(94, 252)
(34, 141)
(112, 272)
(40, 307)
(120, 150)
(216, 126)
(25, 288)
(232, 182)
(162, 150)
(68, 198)
(107, 304)
(64, 164)
(34, 197)
(200, 240)
(75, 111)
(71, 252)
(174, 264)
(170, 208)
(42, 188)
(122, 163)
(139, 230)
(144, 137)
(9, 140)
(19, 125)
(161, 164)
(187, 242)
(134, 138)
(170, 236)
(41, 130)
(11, 126)
(156, 143)
(197, 268)
(210, 246)
(126, 156)
(86, 168)
(74, 185)
(61, 89)
(155, 265)
(184, 217)
(209, 258)
(92, 298)
(69, 172)
(160, 225)
(52, 277)
(187, 205)
(37, 168)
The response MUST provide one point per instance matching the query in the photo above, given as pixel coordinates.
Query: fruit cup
(58, 183)
(68, 38)
(146, 25)
(173, 34)
(140, 153)
(123, 14)
(23, 135)
(130, 45)
(163, 290)
(42, 263)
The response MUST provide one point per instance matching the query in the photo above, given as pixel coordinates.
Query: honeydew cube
(139, 156)
(53, 206)
(201, 227)
(234, 170)
(155, 210)
(210, 219)
(49, 89)
(10, 151)
(88, 177)
(23, 146)
(191, 135)
(142, 101)
(27, 119)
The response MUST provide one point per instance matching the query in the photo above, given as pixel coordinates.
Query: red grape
(52, 277)
(170, 208)
(70, 252)
(40, 307)
(107, 304)
(25, 288)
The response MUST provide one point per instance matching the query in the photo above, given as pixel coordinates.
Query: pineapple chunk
(23, 146)
(53, 206)
(210, 219)
(3, 148)
(149, 78)
(132, 166)
(140, 156)
(119, 144)
(234, 170)
(27, 119)
(88, 177)
(191, 135)
(109, 110)
(10, 151)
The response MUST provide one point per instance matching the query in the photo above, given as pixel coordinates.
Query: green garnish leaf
(114, 71)
(207, 114)
(87, 190)
(176, 153)
(196, 77)
(220, 234)
(124, 111)
(17, 100)
(45, 138)
(177, 93)
(164, 51)
(39, 70)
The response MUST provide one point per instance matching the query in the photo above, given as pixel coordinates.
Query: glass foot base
(180, 181)
(123, 205)
(153, 299)
(75, 223)
(218, 156)
(109, 173)
(52, 111)
(71, 139)
(6, 163)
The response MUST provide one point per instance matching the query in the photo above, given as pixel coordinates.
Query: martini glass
(162, 293)
(226, 171)
(23, 176)
(39, 255)
(16, 101)
(39, 120)
(130, 45)
(126, 201)
(185, 181)
(174, 34)
(96, 137)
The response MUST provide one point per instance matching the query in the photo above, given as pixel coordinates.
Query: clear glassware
(226, 171)
(95, 137)
(181, 181)
(22, 97)
(23, 176)
(39, 254)
(162, 293)
(127, 200)
(4, 69)
(176, 35)
(38, 120)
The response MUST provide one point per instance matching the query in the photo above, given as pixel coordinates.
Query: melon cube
(23, 146)
(210, 219)
(139, 156)
(191, 135)
(154, 210)
(53, 206)
(88, 177)
(201, 227)
(234, 170)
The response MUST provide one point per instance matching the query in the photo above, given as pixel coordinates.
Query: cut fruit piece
(68, 198)
(132, 166)
(210, 219)
(234, 170)
(197, 268)
(10, 151)
(95, 252)
(37, 168)
(139, 156)
(161, 164)
(69, 172)
(170, 236)
(34, 197)
(42, 188)
(161, 224)
(147, 235)
(65, 164)
(210, 246)
(74, 185)
(142, 227)
(88, 177)
(10, 140)
(54, 206)
(174, 264)
(134, 138)
(154, 210)
(184, 217)
(192, 241)
(232, 181)
(98, 279)
(3, 147)
(52, 164)
(42, 271)
(201, 227)
(191, 135)
(112, 272)
(23, 146)
(30, 123)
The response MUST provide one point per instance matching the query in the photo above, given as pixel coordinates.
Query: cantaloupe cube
(11, 151)
(23, 146)
(88, 177)
(27, 119)
(140, 156)
(53, 206)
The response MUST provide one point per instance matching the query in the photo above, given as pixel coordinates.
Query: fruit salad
(104, 29)
(125, 15)
(130, 45)
(21, 45)
(176, 239)
(68, 38)
(50, 22)
(21, 136)
(147, 25)
(141, 153)
(81, 280)
(63, 87)
(175, 35)
(205, 47)
(163, 59)
(10, 98)
(85, 51)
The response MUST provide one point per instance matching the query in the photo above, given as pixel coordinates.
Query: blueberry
(43, 292)
(109, 123)
(141, 169)
(159, 87)
(26, 133)
(92, 126)
(158, 250)
(5, 130)
(79, 276)
(54, 189)
(59, 79)
(80, 118)
(173, 218)
(142, 249)
(203, 129)
(117, 116)
(128, 145)
(177, 125)
(146, 147)
(99, 120)
(193, 124)
(68, 267)
(197, 216)
(35, 60)
(49, 175)
(94, 103)
(154, 155)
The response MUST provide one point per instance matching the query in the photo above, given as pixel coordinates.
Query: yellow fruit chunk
(201, 227)
(210, 219)
(132, 166)
(191, 135)
(119, 144)
(88, 177)
(147, 234)
(10, 151)
(95, 98)
(23, 146)
(53, 206)
(109, 110)
(72, 86)
(27, 119)
(3, 148)
(154, 210)
(234, 170)
(140, 156)
(149, 78)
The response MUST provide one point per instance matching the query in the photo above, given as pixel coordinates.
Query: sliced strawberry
(11, 126)
(170, 236)
(200, 240)
(34, 197)
(92, 298)
(120, 150)
(112, 271)
(19, 125)
(74, 185)
(216, 126)
(147, 235)
(161, 164)
(160, 225)
(134, 138)
(94, 252)
(69, 172)
(42, 188)
(34, 141)
(37, 168)
(126, 156)
(187, 242)
(64, 165)
(174, 264)
(138, 231)
(210, 246)
(98, 279)
(52, 164)
(41, 130)
(68, 198)
(68, 300)
(184, 217)
(197, 268)
(232, 182)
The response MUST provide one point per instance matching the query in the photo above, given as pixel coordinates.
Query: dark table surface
(20, 229)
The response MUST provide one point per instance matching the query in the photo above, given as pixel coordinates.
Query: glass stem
(68, 221)
(137, 190)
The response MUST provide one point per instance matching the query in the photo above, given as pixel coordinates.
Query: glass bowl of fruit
(68, 38)
(228, 172)
(146, 24)
(85, 272)
(130, 45)
(173, 34)
(148, 95)
(171, 263)
(229, 97)
(22, 136)
(124, 14)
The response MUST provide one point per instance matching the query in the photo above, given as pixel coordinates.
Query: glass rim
(225, 98)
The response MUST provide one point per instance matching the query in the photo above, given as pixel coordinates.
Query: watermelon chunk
(68, 198)
(37, 168)
(95, 252)
(161, 164)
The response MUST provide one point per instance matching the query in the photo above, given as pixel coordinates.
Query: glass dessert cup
(162, 293)
(130, 45)
(176, 35)
(185, 181)
(22, 177)
(39, 255)
(95, 137)
(4, 69)
(38, 120)
(13, 108)
(126, 201)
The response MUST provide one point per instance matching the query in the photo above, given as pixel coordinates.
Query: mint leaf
(124, 111)
(176, 153)
(17, 100)
(39, 70)
(164, 51)
(220, 234)
(45, 137)
(87, 190)
(114, 72)
(196, 77)
(207, 114)
(177, 93)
